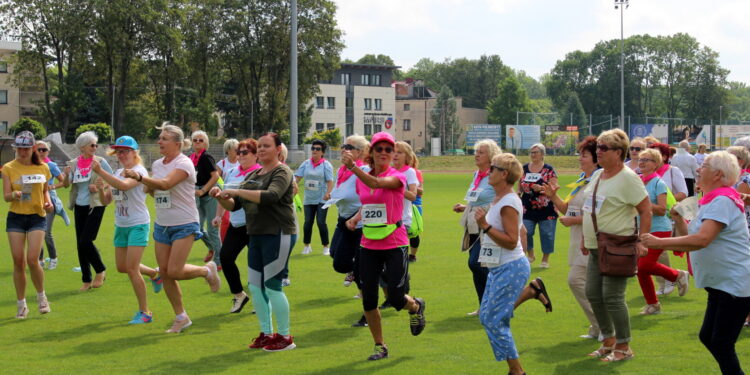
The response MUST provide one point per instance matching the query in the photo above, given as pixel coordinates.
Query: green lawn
(86, 333)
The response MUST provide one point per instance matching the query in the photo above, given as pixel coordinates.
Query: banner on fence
(658, 131)
(561, 137)
(478, 132)
(727, 134)
(521, 137)
(695, 134)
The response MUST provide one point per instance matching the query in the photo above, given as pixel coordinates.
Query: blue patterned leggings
(504, 285)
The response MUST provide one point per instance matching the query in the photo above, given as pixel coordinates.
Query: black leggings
(478, 272)
(690, 182)
(235, 240)
(414, 242)
(87, 222)
(313, 212)
(371, 264)
(722, 324)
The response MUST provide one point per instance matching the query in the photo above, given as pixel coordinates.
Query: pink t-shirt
(181, 208)
(394, 204)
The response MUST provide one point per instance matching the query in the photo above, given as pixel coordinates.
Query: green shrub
(30, 125)
(331, 137)
(102, 130)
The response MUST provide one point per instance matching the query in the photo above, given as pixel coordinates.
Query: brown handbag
(618, 255)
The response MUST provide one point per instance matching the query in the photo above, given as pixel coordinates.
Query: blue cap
(126, 141)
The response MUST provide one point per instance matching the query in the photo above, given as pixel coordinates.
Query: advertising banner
(727, 134)
(695, 134)
(658, 131)
(478, 132)
(521, 137)
(561, 137)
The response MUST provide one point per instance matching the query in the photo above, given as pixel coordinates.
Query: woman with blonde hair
(207, 174)
(538, 208)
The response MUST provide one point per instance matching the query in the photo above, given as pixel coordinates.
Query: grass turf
(87, 333)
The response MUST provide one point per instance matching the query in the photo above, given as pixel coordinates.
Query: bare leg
(35, 240)
(171, 288)
(17, 241)
(514, 367)
(131, 264)
(373, 321)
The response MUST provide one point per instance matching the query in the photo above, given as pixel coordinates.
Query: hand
(227, 194)
(649, 240)
(93, 188)
(17, 194)
(347, 159)
(479, 215)
(327, 196)
(642, 250)
(351, 225)
(566, 220)
(584, 250)
(96, 166)
(295, 188)
(458, 207)
(551, 188)
(66, 170)
(216, 222)
(129, 173)
(198, 193)
(214, 192)
(49, 207)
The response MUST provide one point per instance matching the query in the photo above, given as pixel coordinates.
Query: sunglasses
(42, 149)
(603, 148)
(317, 148)
(642, 160)
(123, 151)
(243, 152)
(380, 149)
(198, 140)
(348, 147)
(499, 169)
(94, 145)
(635, 149)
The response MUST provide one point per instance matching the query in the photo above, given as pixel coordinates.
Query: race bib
(490, 254)
(571, 212)
(532, 177)
(472, 195)
(163, 199)
(78, 177)
(28, 179)
(312, 185)
(374, 214)
(588, 204)
(117, 195)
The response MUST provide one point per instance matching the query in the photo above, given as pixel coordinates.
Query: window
(349, 130)
(407, 107)
(368, 103)
(3, 127)
(376, 79)
(319, 102)
(331, 126)
(3, 67)
(368, 129)
(3, 96)
(378, 104)
(345, 78)
(319, 126)
(365, 79)
(378, 128)
(407, 125)
(331, 102)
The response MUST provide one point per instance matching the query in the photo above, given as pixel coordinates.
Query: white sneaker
(22, 312)
(326, 251)
(179, 325)
(52, 264)
(473, 313)
(349, 279)
(214, 282)
(43, 305)
(307, 250)
(651, 309)
(668, 287)
(683, 282)
(286, 282)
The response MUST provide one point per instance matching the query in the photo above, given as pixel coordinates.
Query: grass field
(87, 333)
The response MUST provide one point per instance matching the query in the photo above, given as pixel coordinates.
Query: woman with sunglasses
(636, 146)
(207, 175)
(88, 209)
(538, 208)
(236, 236)
(384, 243)
(25, 187)
(176, 226)
(42, 150)
(230, 161)
(267, 197)
(318, 175)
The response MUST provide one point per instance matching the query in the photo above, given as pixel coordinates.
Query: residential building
(414, 105)
(358, 99)
(15, 103)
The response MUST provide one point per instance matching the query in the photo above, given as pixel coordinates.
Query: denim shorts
(167, 235)
(20, 223)
(137, 235)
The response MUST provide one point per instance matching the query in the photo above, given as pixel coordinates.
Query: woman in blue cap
(132, 221)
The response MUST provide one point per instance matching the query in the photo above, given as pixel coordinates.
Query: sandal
(626, 355)
(603, 351)
(541, 290)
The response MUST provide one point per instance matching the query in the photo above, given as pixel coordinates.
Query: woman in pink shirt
(385, 243)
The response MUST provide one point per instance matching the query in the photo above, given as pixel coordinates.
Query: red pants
(649, 265)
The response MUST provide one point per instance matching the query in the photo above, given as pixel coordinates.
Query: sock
(208, 271)
(280, 306)
(182, 316)
(41, 295)
(21, 302)
(262, 309)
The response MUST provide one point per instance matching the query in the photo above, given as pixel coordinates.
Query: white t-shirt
(411, 178)
(177, 205)
(675, 180)
(225, 165)
(494, 219)
(232, 180)
(130, 205)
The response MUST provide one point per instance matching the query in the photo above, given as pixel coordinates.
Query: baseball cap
(383, 137)
(125, 141)
(24, 139)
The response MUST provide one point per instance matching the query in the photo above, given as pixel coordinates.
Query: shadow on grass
(560, 352)
(53, 298)
(455, 324)
(325, 336)
(363, 366)
(589, 366)
(319, 303)
(72, 333)
(206, 365)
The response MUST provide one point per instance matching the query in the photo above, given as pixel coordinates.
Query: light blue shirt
(83, 187)
(233, 181)
(487, 193)
(315, 179)
(54, 170)
(348, 200)
(656, 187)
(725, 263)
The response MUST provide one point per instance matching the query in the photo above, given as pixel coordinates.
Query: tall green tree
(511, 98)
(444, 120)
(381, 59)
(573, 113)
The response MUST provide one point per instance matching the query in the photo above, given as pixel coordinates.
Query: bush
(102, 130)
(30, 125)
(331, 137)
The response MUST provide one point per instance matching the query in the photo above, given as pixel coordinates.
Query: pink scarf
(314, 164)
(47, 160)
(84, 165)
(648, 178)
(196, 156)
(344, 172)
(746, 171)
(725, 191)
(480, 176)
(404, 168)
(661, 171)
(254, 167)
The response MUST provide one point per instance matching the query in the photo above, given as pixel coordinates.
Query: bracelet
(353, 166)
(485, 230)
(140, 178)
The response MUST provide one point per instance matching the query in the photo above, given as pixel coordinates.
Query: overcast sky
(532, 35)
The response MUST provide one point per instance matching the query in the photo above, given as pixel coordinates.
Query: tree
(28, 124)
(331, 137)
(381, 59)
(444, 122)
(573, 113)
(102, 130)
(511, 98)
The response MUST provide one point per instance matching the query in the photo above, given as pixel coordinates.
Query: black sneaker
(412, 258)
(362, 322)
(380, 352)
(385, 305)
(417, 320)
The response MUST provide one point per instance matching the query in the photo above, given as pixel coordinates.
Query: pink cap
(383, 137)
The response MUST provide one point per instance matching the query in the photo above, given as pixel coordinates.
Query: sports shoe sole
(288, 347)
(181, 329)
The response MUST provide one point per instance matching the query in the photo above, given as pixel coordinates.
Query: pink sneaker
(279, 343)
(214, 282)
(179, 325)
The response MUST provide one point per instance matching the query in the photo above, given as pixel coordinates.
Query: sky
(532, 35)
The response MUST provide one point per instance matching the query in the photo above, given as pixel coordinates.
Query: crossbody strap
(593, 211)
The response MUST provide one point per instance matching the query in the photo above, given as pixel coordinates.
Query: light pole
(720, 108)
(293, 117)
(622, 5)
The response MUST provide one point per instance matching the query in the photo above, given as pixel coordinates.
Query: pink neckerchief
(662, 170)
(196, 156)
(47, 160)
(314, 164)
(480, 176)
(648, 178)
(404, 168)
(84, 165)
(746, 171)
(251, 168)
(725, 191)
(344, 172)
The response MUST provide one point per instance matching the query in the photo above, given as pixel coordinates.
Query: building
(414, 105)
(15, 103)
(358, 99)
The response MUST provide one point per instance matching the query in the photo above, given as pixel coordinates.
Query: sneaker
(307, 250)
(349, 279)
(280, 343)
(261, 341)
(209, 256)
(43, 304)
(544, 264)
(683, 282)
(52, 264)
(23, 311)
(326, 250)
(142, 318)
(41, 263)
(417, 320)
(652, 309)
(385, 305)
(668, 287)
(380, 352)
(157, 283)
(660, 291)
(239, 303)
(214, 282)
(286, 282)
(412, 258)
(362, 322)
(179, 325)
(473, 313)
(357, 296)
